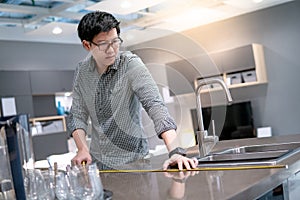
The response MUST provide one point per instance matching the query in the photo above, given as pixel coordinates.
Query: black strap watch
(178, 150)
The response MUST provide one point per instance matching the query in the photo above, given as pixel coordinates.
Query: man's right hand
(82, 156)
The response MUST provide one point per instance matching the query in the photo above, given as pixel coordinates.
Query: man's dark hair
(95, 22)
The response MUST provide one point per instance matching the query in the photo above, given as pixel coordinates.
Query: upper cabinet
(50, 82)
(14, 83)
(241, 67)
(240, 58)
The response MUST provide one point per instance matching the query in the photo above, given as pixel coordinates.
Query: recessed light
(57, 30)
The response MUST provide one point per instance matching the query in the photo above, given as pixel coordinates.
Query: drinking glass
(95, 181)
(49, 178)
(61, 186)
(85, 182)
(35, 186)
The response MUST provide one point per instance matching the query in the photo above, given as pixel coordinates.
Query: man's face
(104, 56)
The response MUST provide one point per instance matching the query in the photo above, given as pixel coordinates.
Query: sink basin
(244, 156)
(261, 148)
(251, 155)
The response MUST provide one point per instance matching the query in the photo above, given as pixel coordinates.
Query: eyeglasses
(103, 46)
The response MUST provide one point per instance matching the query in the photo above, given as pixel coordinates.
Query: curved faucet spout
(200, 84)
(201, 134)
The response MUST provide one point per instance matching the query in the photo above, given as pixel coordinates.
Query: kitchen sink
(284, 147)
(266, 154)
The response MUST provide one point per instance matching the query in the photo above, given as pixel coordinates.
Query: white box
(249, 76)
(264, 132)
(234, 78)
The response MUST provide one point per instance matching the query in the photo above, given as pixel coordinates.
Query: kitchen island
(145, 181)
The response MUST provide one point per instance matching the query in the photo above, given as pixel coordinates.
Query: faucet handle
(213, 127)
(216, 138)
(201, 142)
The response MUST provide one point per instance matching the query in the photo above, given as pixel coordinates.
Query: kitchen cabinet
(34, 90)
(291, 186)
(51, 82)
(248, 59)
(45, 145)
(24, 104)
(17, 84)
(216, 182)
(49, 136)
(14, 83)
(236, 59)
(44, 105)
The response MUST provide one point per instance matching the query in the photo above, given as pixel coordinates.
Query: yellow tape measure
(245, 167)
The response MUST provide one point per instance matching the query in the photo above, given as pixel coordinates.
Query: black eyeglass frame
(109, 44)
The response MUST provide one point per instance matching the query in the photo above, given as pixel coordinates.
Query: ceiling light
(257, 1)
(57, 30)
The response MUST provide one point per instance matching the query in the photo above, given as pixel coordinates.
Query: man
(109, 88)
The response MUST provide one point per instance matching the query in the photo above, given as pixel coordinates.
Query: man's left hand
(180, 161)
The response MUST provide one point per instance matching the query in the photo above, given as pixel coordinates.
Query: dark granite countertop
(207, 184)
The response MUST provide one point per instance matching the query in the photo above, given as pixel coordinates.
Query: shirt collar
(91, 63)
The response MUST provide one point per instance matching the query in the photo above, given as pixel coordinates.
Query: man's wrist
(177, 150)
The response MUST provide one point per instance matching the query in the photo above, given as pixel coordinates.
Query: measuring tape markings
(194, 169)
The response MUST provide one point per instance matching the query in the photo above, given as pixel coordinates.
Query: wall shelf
(245, 59)
(244, 90)
(58, 124)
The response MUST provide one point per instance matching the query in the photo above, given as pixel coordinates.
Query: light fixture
(57, 30)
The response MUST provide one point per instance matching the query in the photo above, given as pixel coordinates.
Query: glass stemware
(35, 185)
(85, 182)
(61, 186)
(79, 182)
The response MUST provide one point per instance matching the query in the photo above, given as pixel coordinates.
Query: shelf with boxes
(250, 76)
(46, 125)
(243, 69)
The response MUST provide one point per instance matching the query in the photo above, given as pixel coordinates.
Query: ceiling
(141, 20)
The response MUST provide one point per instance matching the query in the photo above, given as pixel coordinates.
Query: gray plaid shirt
(113, 102)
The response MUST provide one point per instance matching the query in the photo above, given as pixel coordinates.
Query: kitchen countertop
(210, 184)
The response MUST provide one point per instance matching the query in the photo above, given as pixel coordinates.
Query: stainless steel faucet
(202, 134)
